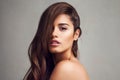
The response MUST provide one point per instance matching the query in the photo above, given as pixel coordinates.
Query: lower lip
(54, 44)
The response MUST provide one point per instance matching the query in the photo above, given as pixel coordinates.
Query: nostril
(54, 34)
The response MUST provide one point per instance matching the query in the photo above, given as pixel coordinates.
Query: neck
(62, 56)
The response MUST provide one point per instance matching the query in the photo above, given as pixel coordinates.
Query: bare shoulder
(68, 70)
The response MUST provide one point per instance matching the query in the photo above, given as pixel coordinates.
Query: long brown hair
(41, 59)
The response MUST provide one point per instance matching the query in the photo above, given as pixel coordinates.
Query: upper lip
(54, 41)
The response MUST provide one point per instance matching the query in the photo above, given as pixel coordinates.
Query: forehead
(63, 18)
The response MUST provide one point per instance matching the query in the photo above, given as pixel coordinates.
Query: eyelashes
(62, 28)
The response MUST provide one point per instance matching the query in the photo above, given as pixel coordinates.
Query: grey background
(99, 45)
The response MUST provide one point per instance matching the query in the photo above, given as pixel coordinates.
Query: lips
(54, 43)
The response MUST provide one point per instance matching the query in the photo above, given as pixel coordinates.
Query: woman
(53, 51)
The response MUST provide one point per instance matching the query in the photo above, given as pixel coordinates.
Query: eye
(62, 28)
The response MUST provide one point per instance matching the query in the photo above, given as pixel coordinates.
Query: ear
(76, 34)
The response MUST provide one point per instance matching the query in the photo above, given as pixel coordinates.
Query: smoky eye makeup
(63, 26)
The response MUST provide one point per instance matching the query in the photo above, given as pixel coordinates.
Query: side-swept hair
(41, 59)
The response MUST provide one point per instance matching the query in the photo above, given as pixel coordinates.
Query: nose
(54, 33)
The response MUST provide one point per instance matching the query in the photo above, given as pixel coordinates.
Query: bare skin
(69, 70)
(67, 66)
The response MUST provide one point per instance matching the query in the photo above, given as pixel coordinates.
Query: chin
(55, 51)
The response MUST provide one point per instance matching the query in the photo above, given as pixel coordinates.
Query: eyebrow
(60, 24)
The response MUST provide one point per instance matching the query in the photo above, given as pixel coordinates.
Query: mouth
(54, 43)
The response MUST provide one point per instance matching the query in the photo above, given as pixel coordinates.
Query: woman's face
(63, 35)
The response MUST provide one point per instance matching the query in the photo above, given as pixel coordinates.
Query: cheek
(68, 38)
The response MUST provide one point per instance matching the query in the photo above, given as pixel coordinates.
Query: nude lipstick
(54, 43)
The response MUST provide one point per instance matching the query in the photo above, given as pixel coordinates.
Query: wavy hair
(40, 57)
